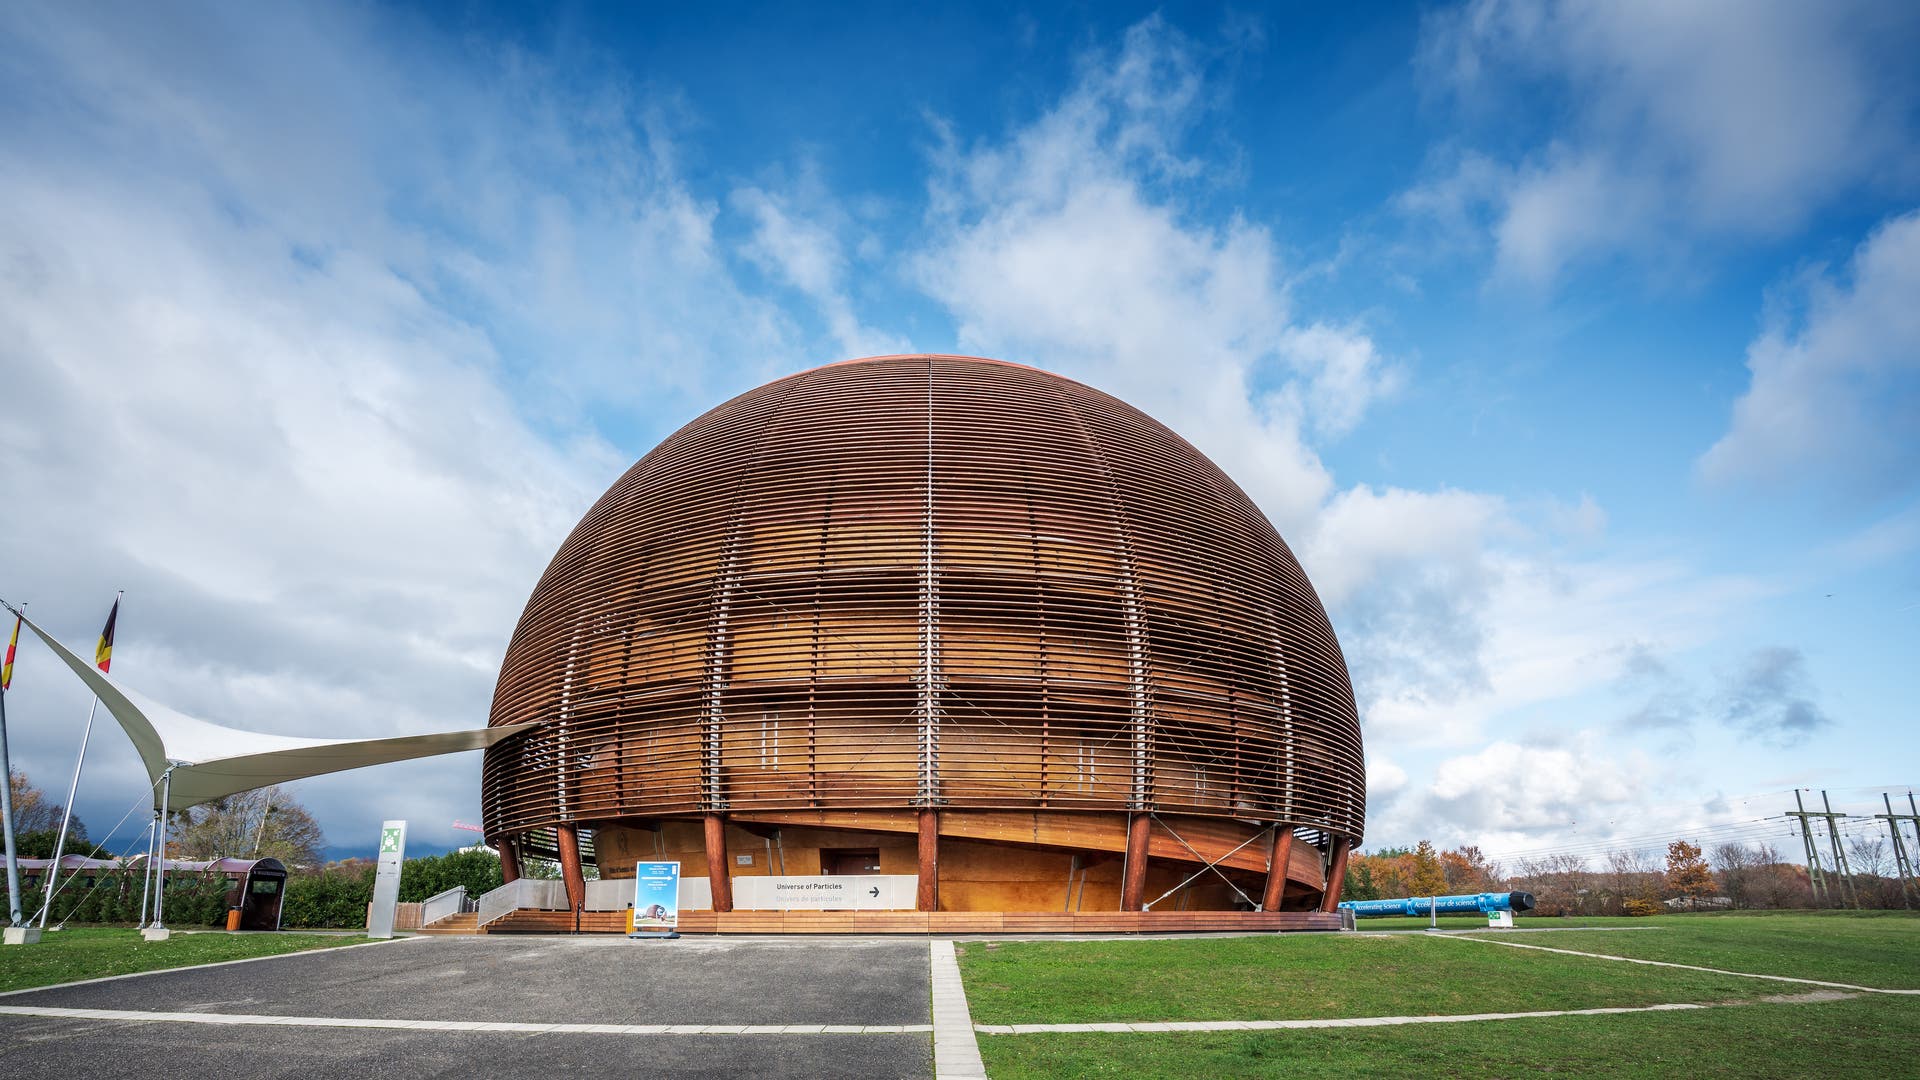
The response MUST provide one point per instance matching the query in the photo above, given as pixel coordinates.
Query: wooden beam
(509, 859)
(1330, 900)
(928, 897)
(717, 874)
(1277, 866)
(1133, 890)
(570, 867)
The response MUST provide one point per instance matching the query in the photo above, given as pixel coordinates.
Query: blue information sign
(656, 899)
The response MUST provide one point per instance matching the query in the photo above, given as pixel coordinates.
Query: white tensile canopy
(211, 761)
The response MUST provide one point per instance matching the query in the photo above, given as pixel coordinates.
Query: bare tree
(262, 823)
(1869, 855)
(1736, 863)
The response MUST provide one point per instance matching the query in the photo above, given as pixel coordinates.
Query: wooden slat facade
(932, 583)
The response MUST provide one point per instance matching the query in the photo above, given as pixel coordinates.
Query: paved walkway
(507, 1005)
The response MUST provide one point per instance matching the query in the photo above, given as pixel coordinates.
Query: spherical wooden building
(957, 622)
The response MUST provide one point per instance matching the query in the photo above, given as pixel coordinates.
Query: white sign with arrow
(838, 892)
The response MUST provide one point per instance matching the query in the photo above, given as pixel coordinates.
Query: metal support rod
(6, 818)
(927, 793)
(1205, 865)
(66, 814)
(160, 878)
(146, 870)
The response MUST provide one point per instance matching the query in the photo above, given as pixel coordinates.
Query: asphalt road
(584, 980)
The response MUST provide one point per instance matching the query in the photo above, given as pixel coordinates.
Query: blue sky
(1572, 346)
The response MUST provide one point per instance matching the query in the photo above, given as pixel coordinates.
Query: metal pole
(6, 814)
(261, 832)
(1815, 879)
(66, 815)
(1893, 826)
(146, 871)
(1840, 853)
(160, 879)
(1433, 913)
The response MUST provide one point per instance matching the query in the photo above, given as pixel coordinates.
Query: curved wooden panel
(925, 581)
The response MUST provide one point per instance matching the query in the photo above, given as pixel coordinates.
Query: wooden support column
(1277, 867)
(509, 859)
(717, 874)
(928, 898)
(570, 867)
(1133, 889)
(1336, 875)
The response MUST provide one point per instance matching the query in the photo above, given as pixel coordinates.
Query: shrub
(420, 878)
(335, 897)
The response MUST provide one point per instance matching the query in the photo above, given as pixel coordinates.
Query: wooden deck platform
(929, 923)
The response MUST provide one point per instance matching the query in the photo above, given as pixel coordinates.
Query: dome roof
(925, 581)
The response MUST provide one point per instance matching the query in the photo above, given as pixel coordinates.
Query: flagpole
(66, 815)
(146, 870)
(6, 812)
(14, 918)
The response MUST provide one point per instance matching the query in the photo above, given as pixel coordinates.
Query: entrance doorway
(849, 860)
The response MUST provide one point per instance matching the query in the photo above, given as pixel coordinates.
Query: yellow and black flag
(6, 668)
(103, 652)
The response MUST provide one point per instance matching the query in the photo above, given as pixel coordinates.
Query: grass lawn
(1872, 1036)
(1869, 949)
(1303, 976)
(70, 955)
(1299, 976)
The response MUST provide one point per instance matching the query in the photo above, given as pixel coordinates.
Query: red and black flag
(103, 652)
(13, 644)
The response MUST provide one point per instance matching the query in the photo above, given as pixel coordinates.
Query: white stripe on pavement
(254, 1019)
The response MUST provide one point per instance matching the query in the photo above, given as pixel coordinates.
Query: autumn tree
(1468, 870)
(36, 821)
(1427, 878)
(1687, 873)
(262, 823)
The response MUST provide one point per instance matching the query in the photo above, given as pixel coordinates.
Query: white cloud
(312, 392)
(1384, 780)
(1068, 245)
(1835, 396)
(1716, 119)
(1507, 792)
(809, 256)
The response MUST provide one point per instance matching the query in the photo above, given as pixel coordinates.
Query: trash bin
(233, 918)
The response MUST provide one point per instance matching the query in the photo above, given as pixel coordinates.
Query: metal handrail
(442, 905)
(540, 894)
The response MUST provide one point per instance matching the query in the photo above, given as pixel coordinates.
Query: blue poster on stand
(656, 899)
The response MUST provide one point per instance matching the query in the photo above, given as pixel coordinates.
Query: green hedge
(112, 898)
(336, 897)
(332, 898)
